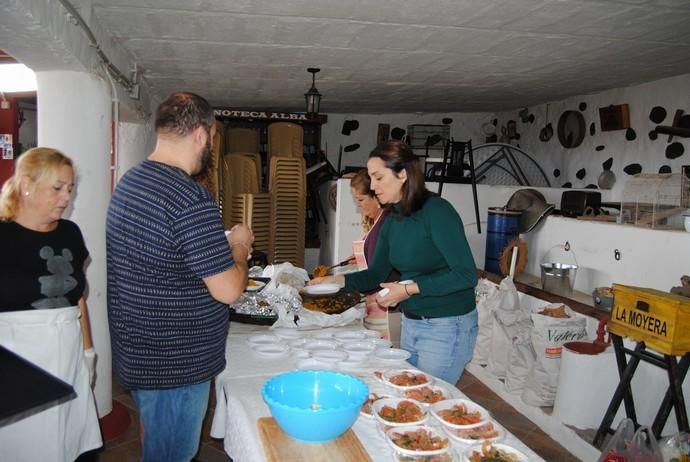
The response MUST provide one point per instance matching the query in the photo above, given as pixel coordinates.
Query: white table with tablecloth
(239, 403)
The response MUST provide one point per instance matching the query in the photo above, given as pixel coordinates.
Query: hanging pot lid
(606, 179)
(488, 129)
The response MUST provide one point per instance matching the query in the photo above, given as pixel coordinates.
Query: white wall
(649, 258)
(464, 126)
(672, 94)
(74, 116)
(136, 143)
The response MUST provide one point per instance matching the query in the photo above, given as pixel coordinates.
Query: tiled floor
(126, 448)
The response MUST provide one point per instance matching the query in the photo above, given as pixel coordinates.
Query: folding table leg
(623, 392)
(674, 395)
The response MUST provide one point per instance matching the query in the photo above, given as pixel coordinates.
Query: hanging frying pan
(547, 132)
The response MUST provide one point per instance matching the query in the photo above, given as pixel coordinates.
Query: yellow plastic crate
(660, 319)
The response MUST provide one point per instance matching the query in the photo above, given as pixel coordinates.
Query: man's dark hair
(183, 112)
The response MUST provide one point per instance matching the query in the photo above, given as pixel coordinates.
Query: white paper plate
(271, 350)
(256, 286)
(352, 363)
(325, 335)
(315, 345)
(322, 289)
(380, 343)
(332, 356)
(315, 364)
(466, 455)
(286, 333)
(297, 343)
(359, 350)
(264, 339)
(391, 355)
(301, 354)
(372, 334)
(348, 336)
(417, 453)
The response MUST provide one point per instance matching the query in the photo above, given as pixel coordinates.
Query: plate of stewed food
(417, 440)
(488, 431)
(406, 379)
(427, 394)
(459, 413)
(493, 452)
(398, 412)
(368, 406)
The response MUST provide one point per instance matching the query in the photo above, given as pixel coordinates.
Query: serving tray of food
(332, 303)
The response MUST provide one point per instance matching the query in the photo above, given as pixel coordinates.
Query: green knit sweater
(430, 248)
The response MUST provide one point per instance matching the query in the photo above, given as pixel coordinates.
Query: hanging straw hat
(533, 206)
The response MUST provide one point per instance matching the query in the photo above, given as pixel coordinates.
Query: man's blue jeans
(440, 346)
(171, 421)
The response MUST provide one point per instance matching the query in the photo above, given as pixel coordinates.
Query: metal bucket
(558, 278)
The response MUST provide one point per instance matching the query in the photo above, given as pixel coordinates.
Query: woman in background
(373, 217)
(43, 315)
(424, 240)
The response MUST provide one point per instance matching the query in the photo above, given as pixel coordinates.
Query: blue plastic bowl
(315, 406)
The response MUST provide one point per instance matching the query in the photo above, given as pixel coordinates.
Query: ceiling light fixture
(313, 97)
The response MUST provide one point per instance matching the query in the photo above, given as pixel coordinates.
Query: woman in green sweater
(424, 240)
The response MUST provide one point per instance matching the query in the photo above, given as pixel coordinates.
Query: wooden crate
(660, 319)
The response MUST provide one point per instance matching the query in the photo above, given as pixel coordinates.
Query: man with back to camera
(171, 274)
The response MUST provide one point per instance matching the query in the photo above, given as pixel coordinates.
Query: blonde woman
(43, 315)
(373, 217)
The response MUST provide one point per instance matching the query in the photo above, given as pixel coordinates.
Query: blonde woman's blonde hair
(362, 184)
(36, 164)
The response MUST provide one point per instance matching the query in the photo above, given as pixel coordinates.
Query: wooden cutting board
(279, 447)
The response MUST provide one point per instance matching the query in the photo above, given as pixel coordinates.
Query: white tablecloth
(239, 403)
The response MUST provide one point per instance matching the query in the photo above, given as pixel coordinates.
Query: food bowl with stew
(459, 413)
(418, 441)
(405, 379)
(398, 412)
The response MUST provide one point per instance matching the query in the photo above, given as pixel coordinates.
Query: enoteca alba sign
(229, 113)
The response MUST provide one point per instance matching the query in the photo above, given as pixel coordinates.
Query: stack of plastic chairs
(242, 140)
(285, 139)
(287, 186)
(255, 211)
(242, 197)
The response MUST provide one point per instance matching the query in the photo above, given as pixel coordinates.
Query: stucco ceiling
(399, 55)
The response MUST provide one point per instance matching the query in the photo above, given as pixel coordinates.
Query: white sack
(486, 301)
(548, 336)
(509, 321)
